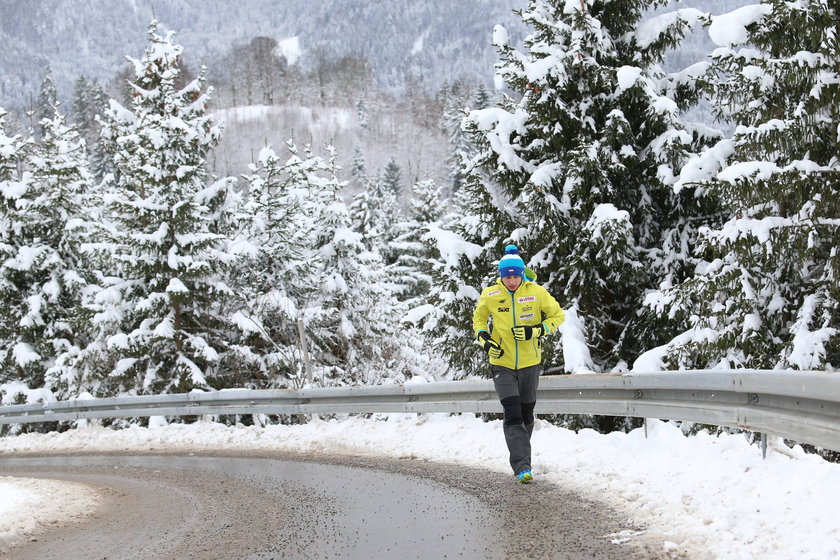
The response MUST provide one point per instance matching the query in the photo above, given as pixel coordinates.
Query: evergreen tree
(89, 100)
(462, 265)
(462, 269)
(386, 207)
(44, 275)
(13, 185)
(364, 215)
(47, 99)
(442, 97)
(366, 205)
(160, 312)
(272, 246)
(375, 213)
(388, 217)
(12, 152)
(460, 148)
(97, 103)
(481, 98)
(358, 171)
(392, 179)
(411, 272)
(579, 170)
(346, 308)
(446, 319)
(410, 278)
(767, 294)
(81, 103)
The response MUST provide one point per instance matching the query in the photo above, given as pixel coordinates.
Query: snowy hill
(432, 41)
(390, 133)
(418, 41)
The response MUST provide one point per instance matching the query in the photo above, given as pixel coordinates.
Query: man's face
(511, 282)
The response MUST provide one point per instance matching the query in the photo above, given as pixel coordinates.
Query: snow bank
(28, 506)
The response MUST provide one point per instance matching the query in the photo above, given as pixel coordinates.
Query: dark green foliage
(577, 169)
(766, 294)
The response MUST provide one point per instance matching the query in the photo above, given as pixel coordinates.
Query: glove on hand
(490, 346)
(527, 332)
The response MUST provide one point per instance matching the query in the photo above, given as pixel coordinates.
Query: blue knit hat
(511, 264)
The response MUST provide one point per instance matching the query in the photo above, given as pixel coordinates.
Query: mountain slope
(431, 40)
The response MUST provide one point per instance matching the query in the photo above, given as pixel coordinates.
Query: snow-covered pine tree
(411, 272)
(272, 248)
(80, 109)
(365, 206)
(12, 153)
(43, 318)
(375, 214)
(392, 179)
(456, 104)
(13, 185)
(90, 100)
(389, 215)
(578, 169)
(461, 269)
(358, 172)
(364, 211)
(768, 295)
(410, 278)
(160, 312)
(481, 97)
(47, 99)
(345, 307)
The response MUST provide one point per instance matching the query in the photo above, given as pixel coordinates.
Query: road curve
(313, 506)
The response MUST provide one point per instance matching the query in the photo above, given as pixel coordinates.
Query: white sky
(711, 497)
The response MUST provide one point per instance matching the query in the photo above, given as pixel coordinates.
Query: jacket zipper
(515, 342)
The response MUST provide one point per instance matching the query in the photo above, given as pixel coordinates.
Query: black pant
(517, 390)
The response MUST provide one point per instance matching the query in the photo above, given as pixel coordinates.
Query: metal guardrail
(803, 406)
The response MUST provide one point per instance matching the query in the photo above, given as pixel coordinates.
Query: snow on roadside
(705, 497)
(28, 506)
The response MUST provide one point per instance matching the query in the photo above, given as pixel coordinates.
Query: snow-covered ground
(29, 504)
(710, 497)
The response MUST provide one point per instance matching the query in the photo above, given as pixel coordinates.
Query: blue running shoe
(525, 476)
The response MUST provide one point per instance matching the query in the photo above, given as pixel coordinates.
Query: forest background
(681, 203)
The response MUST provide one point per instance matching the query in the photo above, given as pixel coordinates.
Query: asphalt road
(318, 507)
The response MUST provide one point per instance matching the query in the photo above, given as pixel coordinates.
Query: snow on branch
(730, 29)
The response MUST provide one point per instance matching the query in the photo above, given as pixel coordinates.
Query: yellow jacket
(530, 304)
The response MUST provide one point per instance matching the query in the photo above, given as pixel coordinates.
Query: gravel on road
(265, 505)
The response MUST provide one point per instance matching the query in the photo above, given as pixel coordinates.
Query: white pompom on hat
(511, 264)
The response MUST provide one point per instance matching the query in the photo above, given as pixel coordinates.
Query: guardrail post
(763, 445)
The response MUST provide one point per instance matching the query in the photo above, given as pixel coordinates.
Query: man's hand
(493, 349)
(527, 332)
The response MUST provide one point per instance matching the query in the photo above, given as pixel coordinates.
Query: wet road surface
(314, 506)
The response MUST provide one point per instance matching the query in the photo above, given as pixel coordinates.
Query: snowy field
(710, 497)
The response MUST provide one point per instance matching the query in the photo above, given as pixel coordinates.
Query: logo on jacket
(526, 317)
(527, 298)
(504, 309)
(493, 293)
